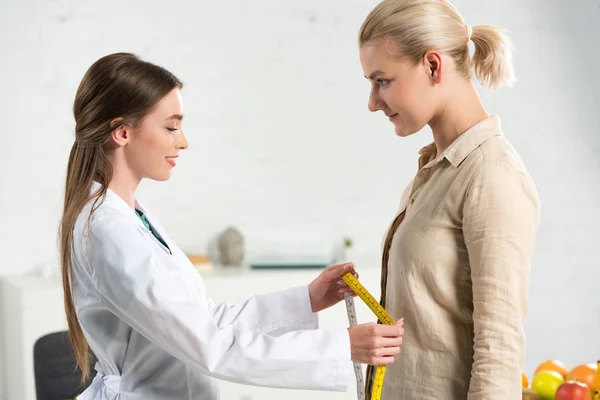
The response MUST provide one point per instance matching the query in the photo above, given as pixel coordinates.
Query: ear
(121, 134)
(433, 64)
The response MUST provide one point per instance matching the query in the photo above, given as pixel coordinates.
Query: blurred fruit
(572, 390)
(524, 380)
(586, 373)
(552, 365)
(545, 384)
(596, 395)
(528, 394)
(595, 384)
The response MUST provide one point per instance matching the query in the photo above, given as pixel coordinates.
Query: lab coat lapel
(115, 201)
(156, 226)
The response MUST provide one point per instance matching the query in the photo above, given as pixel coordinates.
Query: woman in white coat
(134, 299)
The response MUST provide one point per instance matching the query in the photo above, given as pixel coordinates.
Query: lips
(171, 160)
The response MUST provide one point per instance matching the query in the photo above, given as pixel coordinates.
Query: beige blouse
(456, 263)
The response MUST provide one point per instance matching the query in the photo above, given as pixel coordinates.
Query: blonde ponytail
(416, 26)
(492, 59)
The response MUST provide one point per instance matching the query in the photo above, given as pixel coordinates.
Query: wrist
(311, 298)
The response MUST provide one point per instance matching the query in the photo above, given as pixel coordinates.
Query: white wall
(282, 144)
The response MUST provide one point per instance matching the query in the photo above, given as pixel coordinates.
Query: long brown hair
(117, 87)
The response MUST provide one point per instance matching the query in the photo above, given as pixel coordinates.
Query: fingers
(335, 272)
(390, 330)
(344, 286)
(382, 352)
(345, 289)
(376, 344)
(381, 331)
(384, 342)
(382, 355)
(382, 361)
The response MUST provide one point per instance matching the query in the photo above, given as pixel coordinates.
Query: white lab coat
(157, 335)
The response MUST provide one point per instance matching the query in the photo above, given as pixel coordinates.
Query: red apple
(573, 390)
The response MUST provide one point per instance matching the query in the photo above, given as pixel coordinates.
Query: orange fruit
(588, 374)
(552, 365)
(524, 380)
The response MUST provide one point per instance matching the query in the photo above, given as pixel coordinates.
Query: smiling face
(405, 91)
(150, 149)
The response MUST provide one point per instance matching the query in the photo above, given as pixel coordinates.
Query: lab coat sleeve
(157, 301)
(281, 312)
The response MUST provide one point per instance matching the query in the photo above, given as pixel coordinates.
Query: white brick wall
(282, 144)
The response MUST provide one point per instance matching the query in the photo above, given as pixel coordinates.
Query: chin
(161, 177)
(403, 132)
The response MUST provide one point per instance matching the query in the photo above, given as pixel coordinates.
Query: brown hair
(417, 26)
(120, 86)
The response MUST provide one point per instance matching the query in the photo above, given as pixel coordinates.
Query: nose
(181, 141)
(375, 103)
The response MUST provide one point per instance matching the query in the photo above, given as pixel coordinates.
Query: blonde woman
(457, 256)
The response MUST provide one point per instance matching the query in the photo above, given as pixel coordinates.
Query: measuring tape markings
(360, 382)
(382, 315)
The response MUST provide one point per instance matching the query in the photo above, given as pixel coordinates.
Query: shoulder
(101, 215)
(496, 162)
(498, 152)
(104, 223)
(496, 168)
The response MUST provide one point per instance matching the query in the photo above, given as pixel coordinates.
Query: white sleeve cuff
(342, 378)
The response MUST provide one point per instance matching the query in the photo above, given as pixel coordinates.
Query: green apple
(546, 383)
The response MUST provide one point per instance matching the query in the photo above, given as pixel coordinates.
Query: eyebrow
(178, 117)
(374, 75)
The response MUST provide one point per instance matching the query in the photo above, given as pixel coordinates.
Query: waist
(110, 384)
(425, 374)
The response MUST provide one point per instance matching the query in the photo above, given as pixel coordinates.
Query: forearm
(280, 312)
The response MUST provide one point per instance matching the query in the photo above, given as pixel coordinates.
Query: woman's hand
(375, 344)
(329, 288)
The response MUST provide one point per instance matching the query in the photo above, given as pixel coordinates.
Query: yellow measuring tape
(381, 314)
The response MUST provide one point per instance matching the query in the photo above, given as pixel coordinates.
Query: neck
(459, 114)
(124, 183)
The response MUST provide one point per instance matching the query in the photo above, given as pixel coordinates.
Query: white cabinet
(33, 306)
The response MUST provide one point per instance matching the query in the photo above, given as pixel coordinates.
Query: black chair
(56, 375)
